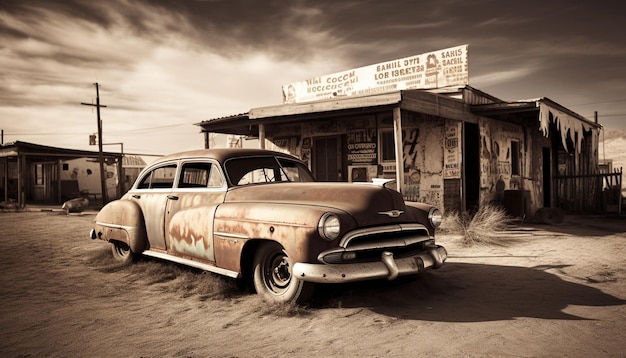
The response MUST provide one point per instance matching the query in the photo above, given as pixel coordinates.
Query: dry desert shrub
(483, 227)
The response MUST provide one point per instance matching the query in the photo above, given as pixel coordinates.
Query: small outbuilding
(39, 174)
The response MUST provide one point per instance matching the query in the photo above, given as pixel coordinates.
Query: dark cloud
(179, 55)
(288, 28)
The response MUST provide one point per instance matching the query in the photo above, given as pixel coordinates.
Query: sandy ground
(547, 291)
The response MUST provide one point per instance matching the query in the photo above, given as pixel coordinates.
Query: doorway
(547, 178)
(327, 159)
(471, 165)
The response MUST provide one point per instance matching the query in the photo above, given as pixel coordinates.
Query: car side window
(199, 175)
(159, 178)
(215, 177)
(194, 175)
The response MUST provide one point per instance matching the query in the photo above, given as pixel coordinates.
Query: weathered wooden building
(458, 149)
(417, 121)
(39, 174)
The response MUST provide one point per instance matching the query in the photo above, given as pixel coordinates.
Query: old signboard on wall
(437, 69)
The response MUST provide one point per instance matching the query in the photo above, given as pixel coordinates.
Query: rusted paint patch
(190, 234)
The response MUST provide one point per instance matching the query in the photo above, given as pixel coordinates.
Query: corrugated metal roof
(18, 147)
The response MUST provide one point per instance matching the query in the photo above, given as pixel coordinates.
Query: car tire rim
(278, 273)
(122, 251)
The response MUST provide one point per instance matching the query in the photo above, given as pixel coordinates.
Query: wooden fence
(590, 193)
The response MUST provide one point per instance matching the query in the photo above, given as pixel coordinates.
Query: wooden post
(262, 136)
(397, 131)
(103, 183)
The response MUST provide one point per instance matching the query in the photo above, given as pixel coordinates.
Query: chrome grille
(365, 245)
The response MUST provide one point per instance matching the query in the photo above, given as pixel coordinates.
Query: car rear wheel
(273, 278)
(121, 252)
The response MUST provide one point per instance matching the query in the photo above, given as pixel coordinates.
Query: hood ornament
(391, 213)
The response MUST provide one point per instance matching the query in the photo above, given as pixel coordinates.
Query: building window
(515, 168)
(387, 146)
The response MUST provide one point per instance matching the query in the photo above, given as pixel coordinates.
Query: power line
(608, 115)
(43, 134)
(587, 104)
(127, 131)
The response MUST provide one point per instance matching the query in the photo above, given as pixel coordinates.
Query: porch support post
(58, 180)
(121, 175)
(397, 132)
(261, 136)
(206, 140)
(21, 172)
(6, 179)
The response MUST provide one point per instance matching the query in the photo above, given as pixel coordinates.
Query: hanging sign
(439, 69)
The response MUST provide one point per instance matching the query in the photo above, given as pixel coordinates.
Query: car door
(190, 210)
(151, 193)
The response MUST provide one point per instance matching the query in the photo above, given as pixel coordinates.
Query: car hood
(368, 204)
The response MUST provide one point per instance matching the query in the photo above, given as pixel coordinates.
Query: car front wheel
(121, 252)
(273, 278)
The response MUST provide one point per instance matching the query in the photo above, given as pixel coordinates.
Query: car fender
(122, 220)
(294, 227)
(419, 212)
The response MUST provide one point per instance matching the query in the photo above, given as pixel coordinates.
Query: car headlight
(329, 226)
(435, 217)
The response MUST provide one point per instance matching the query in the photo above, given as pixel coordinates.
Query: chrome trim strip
(114, 226)
(338, 273)
(228, 234)
(345, 240)
(196, 264)
(389, 244)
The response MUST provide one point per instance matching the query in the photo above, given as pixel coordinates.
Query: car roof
(223, 154)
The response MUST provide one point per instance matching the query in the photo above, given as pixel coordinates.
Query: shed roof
(421, 100)
(430, 102)
(24, 148)
(546, 110)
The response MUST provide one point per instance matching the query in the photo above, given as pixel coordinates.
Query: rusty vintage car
(259, 215)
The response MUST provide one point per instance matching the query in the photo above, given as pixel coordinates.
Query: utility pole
(103, 182)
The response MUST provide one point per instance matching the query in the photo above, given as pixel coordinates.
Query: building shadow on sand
(580, 225)
(465, 292)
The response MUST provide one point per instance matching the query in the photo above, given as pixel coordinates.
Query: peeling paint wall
(511, 155)
(503, 162)
(423, 160)
(422, 145)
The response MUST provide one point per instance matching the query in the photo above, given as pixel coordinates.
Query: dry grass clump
(483, 227)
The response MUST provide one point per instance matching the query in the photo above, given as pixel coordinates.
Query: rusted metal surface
(152, 206)
(211, 227)
(122, 221)
(293, 226)
(189, 223)
(362, 201)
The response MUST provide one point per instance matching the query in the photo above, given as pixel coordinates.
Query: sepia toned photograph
(234, 178)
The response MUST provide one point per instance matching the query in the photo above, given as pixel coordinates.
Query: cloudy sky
(164, 65)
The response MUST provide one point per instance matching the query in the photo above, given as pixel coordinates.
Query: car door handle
(136, 196)
(172, 197)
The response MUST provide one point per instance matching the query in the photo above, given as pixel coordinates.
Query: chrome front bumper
(388, 267)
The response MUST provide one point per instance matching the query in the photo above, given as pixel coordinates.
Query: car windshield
(265, 169)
